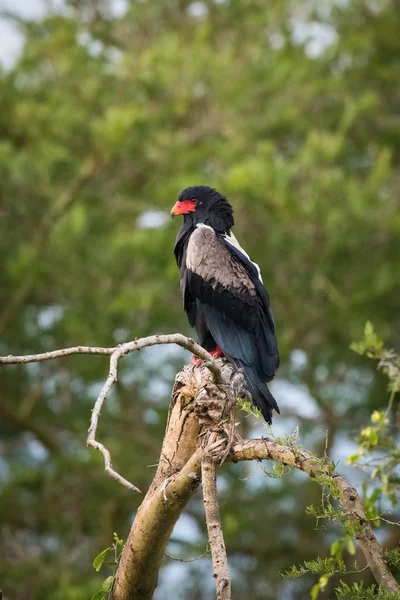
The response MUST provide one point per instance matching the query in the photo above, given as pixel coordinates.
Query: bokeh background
(108, 110)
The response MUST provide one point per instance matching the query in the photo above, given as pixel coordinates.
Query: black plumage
(223, 294)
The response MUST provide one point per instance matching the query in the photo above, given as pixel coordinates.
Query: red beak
(183, 207)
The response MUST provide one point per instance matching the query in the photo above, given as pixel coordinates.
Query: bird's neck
(220, 220)
(182, 240)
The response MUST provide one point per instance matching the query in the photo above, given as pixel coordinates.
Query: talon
(217, 353)
(195, 360)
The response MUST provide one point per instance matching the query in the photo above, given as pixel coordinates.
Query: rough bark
(197, 412)
(176, 480)
(195, 420)
(214, 529)
(198, 427)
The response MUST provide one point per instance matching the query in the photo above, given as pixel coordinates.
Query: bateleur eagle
(223, 292)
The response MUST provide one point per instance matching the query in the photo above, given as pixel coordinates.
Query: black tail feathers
(261, 396)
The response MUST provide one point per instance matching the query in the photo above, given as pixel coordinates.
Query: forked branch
(115, 354)
(198, 406)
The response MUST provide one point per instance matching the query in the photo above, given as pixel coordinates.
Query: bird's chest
(205, 255)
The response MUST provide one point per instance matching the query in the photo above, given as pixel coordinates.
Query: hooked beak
(183, 207)
(175, 210)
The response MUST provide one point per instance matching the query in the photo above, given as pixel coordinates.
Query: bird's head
(201, 204)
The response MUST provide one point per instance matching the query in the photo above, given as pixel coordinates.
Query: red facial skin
(217, 353)
(184, 207)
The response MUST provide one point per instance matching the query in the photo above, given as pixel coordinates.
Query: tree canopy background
(291, 109)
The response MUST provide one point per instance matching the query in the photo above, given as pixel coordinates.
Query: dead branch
(197, 405)
(28, 358)
(178, 477)
(199, 415)
(91, 438)
(115, 354)
(214, 528)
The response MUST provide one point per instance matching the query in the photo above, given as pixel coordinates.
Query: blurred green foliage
(291, 109)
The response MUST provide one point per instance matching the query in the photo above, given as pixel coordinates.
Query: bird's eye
(193, 201)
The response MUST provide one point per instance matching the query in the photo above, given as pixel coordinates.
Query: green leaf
(99, 596)
(279, 469)
(377, 416)
(315, 590)
(368, 329)
(107, 584)
(353, 458)
(350, 546)
(336, 549)
(100, 558)
(357, 591)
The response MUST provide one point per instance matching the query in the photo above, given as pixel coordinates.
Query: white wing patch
(230, 238)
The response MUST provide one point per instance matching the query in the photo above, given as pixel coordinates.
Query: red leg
(217, 353)
(195, 360)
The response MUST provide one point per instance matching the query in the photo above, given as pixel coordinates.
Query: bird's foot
(195, 360)
(217, 353)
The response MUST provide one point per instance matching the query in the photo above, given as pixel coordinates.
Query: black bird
(223, 293)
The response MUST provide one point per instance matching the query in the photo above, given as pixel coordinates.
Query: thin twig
(214, 528)
(126, 348)
(28, 358)
(115, 354)
(187, 560)
(91, 439)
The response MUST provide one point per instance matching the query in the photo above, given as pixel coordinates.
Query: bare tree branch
(112, 378)
(348, 498)
(115, 354)
(196, 403)
(177, 478)
(126, 348)
(214, 528)
(28, 358)
(91, 438)
(197, 413)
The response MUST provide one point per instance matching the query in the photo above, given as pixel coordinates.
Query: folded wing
(224, 295)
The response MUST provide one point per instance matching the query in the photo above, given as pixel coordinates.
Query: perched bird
(223, 292)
